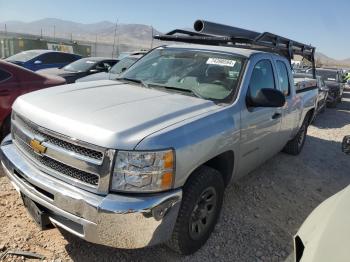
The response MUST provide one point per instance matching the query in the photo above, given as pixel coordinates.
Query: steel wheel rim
(203, 213)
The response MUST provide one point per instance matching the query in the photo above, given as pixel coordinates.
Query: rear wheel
(295, 145)
(200, 209)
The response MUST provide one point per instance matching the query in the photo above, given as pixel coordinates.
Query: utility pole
(54, 32)
(96, 45)
(5, 29)
(152, 37)
(41, 33)
(115, 34)
(71, 37)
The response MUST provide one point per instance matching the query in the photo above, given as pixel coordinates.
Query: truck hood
(108, 113)
(326, 232)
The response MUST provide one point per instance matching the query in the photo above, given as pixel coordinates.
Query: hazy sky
(324, 24)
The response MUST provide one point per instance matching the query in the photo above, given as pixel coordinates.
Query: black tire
(5, 128)
(295, 145)
(191, 230)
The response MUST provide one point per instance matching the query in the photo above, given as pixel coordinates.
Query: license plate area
(40, 217)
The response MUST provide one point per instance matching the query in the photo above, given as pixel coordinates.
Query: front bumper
(122, 221)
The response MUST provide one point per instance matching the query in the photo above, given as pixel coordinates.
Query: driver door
(259, 125)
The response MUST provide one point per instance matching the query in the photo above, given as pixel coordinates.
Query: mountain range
(137, 35)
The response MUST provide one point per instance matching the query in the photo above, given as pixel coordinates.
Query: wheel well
(309, 114)
(224, 164)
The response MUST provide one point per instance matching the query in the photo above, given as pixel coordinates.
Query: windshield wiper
(190, 91)
(138, 81)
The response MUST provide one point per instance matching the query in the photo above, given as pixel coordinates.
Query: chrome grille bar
(76, 162)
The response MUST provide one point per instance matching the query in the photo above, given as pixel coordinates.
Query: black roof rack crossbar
(209, 33)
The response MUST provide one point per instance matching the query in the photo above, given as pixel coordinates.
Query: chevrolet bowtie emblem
(37, 146)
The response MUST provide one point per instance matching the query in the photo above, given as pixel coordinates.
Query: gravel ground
(261, 212)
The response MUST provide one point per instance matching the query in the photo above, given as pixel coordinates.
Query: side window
(283, 78)
(50, 58)
(57, 58)
(262, 77)
(67, 58)
(4, 75)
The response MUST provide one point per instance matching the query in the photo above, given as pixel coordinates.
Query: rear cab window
(283, 77)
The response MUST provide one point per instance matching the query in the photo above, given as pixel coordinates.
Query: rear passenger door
(290, 111)
(259, 125)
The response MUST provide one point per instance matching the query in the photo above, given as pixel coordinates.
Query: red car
(16, 81)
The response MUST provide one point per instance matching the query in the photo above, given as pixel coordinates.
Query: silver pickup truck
(145, 159)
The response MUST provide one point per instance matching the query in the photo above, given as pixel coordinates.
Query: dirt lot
(261, 212)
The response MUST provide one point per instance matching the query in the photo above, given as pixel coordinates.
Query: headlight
(138, 171)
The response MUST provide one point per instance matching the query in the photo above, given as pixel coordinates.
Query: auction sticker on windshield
(221, 62)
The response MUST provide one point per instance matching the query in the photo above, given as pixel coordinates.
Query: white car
(325, 234)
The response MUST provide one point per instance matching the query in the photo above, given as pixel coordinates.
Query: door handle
(276, 115)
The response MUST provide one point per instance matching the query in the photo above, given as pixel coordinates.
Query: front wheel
(200, 209)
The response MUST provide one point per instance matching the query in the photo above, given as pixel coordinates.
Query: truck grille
(66, 145)
(62, 159)
(59, 167)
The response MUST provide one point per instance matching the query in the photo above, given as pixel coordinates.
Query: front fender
(197, 140)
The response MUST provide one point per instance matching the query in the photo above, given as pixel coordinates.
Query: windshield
(122, 65)
(210, 75)
(23, 56)
(81, 65)
(327, 75)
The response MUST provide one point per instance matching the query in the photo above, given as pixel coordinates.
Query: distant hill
(134, 34)
(324, 60)
(128, 34)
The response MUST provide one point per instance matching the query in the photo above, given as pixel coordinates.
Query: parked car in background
(114, 72)
(41, 59)
(308, 81)
(335, 83)
(81, 68)
(16, 81)
(325, 234)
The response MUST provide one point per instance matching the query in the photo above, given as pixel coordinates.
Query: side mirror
(37, 62)
(346, 145)
(267, 97)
